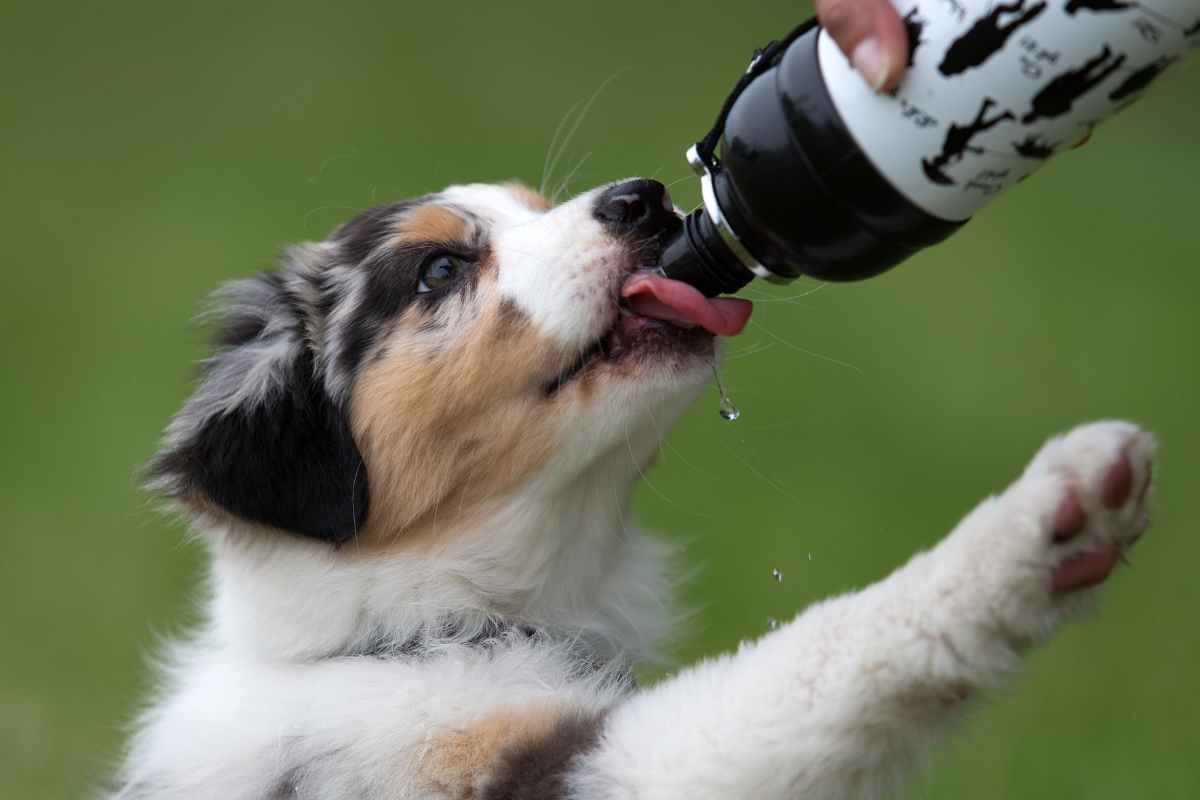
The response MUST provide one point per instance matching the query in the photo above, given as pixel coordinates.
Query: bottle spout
(696, 255)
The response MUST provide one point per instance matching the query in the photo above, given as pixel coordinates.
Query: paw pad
(1102, 512)
(1070, 519)
(1118, 483)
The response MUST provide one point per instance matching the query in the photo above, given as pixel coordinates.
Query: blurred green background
(151, 150)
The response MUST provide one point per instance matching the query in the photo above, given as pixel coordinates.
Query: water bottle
(819, 175)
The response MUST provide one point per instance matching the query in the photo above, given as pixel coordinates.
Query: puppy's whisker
(641, 473)
(550, 151)
(753, 350)
(680, 180)
(763, 297)
(562, 187)
(353, 502)
(799, 349)
(665, 443)
(304, 220)
(548, 171)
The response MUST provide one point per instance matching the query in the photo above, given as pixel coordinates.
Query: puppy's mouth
(658, 313)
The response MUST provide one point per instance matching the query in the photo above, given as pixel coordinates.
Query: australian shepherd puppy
(411, 457)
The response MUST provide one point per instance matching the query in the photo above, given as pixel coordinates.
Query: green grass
(150, 151)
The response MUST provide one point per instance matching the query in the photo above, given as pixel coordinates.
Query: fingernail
(868, 59)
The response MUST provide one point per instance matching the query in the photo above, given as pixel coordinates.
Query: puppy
(411, 458)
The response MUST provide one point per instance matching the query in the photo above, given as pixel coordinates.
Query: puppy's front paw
(1105, 472)
(1025, 557)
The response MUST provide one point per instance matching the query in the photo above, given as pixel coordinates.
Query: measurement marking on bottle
(914, 114)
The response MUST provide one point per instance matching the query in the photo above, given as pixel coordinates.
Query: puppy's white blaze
(559, 267)
(495, 205)
(562, 270)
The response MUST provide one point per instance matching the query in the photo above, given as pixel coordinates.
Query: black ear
(261, 437)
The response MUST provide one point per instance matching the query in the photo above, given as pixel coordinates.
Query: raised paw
(1020, 562)
(1103, 472)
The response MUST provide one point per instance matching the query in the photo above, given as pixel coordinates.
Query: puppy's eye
(438, 273)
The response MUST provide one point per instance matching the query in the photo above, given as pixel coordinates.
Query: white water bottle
(820, 175)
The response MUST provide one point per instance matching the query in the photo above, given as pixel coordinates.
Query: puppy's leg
(842, 702)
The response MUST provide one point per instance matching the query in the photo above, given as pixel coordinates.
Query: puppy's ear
(262, 438)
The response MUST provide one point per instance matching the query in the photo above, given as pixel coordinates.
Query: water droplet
(777, 574)
(772, 623)
(725, 408)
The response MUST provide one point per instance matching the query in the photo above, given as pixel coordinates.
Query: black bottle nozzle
(697, 255)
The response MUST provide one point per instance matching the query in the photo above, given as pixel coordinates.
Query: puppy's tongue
(657, 296)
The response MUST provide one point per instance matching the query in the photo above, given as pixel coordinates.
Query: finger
(871, 34)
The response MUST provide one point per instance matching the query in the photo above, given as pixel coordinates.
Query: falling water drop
(777, 574)
(725, 408)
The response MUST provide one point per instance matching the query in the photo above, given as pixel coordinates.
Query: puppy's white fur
(280, 694)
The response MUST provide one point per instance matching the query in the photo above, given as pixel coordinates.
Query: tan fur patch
(430, 223)
(462, 760)
(443, 430)
(531, 198)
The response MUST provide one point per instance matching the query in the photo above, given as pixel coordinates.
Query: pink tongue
(659, 297)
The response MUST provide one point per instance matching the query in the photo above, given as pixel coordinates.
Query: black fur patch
(361, 235)
(282, 456)
(539, 770)
(391, 286)
(392, 281)
(289, 461)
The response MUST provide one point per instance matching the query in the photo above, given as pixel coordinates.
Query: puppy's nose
(636, 208)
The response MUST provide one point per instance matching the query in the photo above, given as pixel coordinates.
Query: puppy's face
(436, 355)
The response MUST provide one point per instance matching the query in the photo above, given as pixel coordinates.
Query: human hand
(871, 34)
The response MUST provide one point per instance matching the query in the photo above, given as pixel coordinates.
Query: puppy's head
(434, 355)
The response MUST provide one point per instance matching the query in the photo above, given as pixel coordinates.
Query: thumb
(871, 34)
